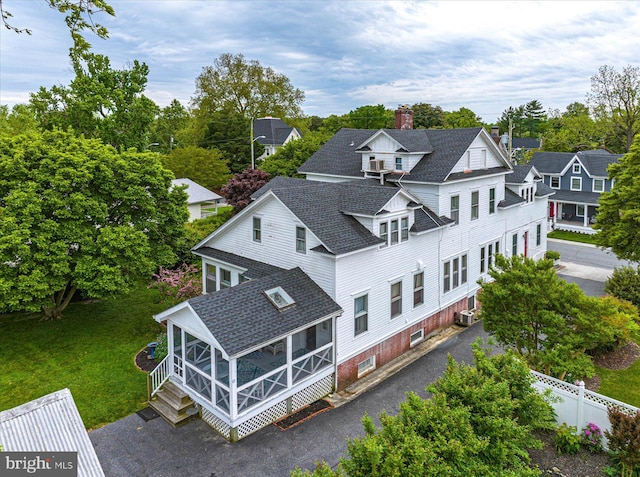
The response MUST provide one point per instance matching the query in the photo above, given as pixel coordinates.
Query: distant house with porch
(273, 133)
(578, 179)
(318, 282)
(201, 202)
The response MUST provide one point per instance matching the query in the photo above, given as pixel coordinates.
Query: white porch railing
(312, 363)
(257, 391)
(157, 377)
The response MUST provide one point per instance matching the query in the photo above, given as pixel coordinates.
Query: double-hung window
(398, 163)
(257, 229)
(538, 234)
(210, 278)
(360, 314)
(598, 185)
(455, 208)
(446, 277)
(576, 183)
(404, 229)
(555, 182)
(418, 289)
(301, 240)
(225, 278)
(454, 273)
(475, 212)
(492, 200)
(394, 232)
(514, 245)
(396, 299)
(384, 233)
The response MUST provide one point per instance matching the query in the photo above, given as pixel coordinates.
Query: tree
(79, 17)
(572, 131)
(204, 166)
(287, 159)
(624, 283)
(462, 118)
(370, 117)
(240, 188)
(168, 125)
(549, 322)
(100, 103)
(246, 87)
(618, 218)
(535, 118)
(615, 96)
(426, 116)
(19, 120)
(75, 215)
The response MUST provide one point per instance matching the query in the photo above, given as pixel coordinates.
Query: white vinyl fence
(578, 406)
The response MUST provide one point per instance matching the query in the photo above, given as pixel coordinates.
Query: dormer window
(279, 297)
(398, 163)
(576, 168)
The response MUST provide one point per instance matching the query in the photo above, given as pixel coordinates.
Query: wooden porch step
(173, 404)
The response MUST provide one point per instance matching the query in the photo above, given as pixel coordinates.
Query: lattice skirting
(300, 399)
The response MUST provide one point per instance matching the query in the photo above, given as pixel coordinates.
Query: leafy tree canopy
(100, 103)
(426, 116)
(287, 159)
(77, 215)
(527, 120)
(19, 120)
(462, 118)
(240, 188)
(234, 83)
(204, 166)
(572, 131)
(371, 117)
(168, 126)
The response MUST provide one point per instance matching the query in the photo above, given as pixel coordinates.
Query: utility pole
(253, 166)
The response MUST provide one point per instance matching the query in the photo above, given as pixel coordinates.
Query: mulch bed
(303, 414)
(144, 361)
(619, 359)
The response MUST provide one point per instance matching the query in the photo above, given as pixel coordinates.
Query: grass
(572, 236)
(623, 385)
(90, 350)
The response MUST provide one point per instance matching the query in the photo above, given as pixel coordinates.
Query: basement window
(416, 338)
(366, 366)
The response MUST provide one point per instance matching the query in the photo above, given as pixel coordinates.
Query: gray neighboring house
(578, 180)
(51, 423)
(201, 202)
(273, 133)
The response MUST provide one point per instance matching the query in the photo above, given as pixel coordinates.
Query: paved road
(131, 446)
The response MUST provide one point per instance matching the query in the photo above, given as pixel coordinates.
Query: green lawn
(572, 236)
(90, 350)
(622, 385)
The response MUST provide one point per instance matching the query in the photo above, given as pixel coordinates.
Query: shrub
(552, 255)
(566, 439)
(178, 285)
(624, 283)
(624, 439)
(162, 349)
(592, 438)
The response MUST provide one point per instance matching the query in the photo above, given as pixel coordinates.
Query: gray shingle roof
(510, 199)
(543, 190)
(551, 162)
(595, 162)
(425, 220)
(274, 130)
(525, 143)
(339, 157)
(242, 317)
(254, 269)
(519, 174)
(477, 173)
(580, 197)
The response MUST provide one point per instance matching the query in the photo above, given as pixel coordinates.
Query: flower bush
(178, 285)
(591, 438)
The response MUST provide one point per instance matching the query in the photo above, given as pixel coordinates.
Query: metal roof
(51, 423)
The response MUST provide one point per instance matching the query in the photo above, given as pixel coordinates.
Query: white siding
(476, 159)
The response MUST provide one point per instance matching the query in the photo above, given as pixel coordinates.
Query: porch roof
(577, 197)
(254, 269)
(242, 317)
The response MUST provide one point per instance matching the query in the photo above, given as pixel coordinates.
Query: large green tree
(246, 87)
(19, 120)
(615, 97)
(370, 117)
(426, 116)
(550, 322)
(168, 126)
(572, 131)
(75, 215)
(207, 167)
(618, 218)
(100, 102)
(462, 118)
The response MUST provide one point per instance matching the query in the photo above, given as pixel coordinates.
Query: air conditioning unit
(466, 318)
(376, 165)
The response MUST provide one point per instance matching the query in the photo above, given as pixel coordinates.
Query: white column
(585, 219)
(233, 389)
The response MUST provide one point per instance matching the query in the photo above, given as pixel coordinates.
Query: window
(497, 247)
(484, 158)
(538, 234)
(301, 240)
(446, 277)
(555, 182)
(394, 232)
(398, 163)
(474, 205)
(384, 233)
(367, 365)
(598, 185)
(210, 278)
(455, 209)
(471, 302)
(492, 200)
(360, 314)
(576, 168)
(489, 254)
(580, 210)
(257, 229)
(225, 278)
(396, 299)
(404, 229)
(576, 183)
(514, 245)
(418, 289)
(482, 255)
(416, 337)
(454, 273)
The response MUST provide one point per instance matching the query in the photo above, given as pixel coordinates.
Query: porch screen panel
(177, 350)
(222, 368)
(198, 353)
(312, 338)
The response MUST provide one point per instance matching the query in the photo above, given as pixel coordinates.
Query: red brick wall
(397, 344)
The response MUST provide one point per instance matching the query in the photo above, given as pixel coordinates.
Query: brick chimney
(495, 131)
(404, 117)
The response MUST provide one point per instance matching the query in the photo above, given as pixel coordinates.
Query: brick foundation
(398, 344)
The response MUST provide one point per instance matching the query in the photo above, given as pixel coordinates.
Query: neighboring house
(318, 282)
(578, 180)
(201, 202)
(49, 424)
(273, 133)
(522, 145)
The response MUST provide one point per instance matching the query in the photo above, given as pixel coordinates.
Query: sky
(485, 56)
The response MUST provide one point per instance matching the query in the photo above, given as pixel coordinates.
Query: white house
(391, 232)
(273, 133)
(197, 198)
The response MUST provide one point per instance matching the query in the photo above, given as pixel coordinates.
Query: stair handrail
(157, 377)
